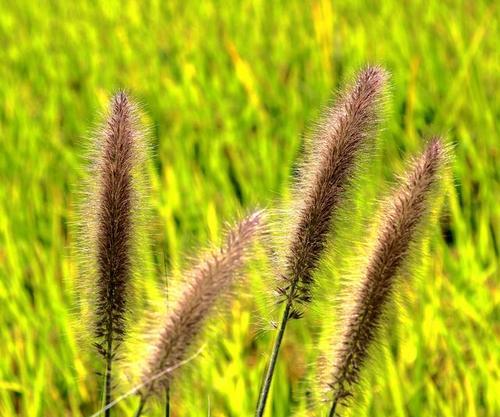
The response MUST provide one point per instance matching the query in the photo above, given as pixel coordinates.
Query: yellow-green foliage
(228, 90)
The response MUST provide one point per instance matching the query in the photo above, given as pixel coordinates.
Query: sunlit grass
(229, 91)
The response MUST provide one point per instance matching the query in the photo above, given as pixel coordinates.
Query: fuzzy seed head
(348, 128)
(401, 220)
(206, 284)
(115, 160)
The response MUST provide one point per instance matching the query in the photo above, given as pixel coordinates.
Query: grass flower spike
(111, 206)
(206, 284)
(347, 129)
(401, 221)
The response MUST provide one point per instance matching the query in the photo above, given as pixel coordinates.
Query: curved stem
(264, 392)
(167, 390)
(334, 407)
(107, 379)
(167, 402)
(140, 408)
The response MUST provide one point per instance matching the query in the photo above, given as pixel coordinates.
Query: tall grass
(108, 231)
(228, 91)
(343, 137)
(209, 282)
(365, 310)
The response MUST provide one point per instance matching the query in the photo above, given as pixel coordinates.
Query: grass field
(229, 90)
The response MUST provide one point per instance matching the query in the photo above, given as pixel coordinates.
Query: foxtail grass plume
(206, 284)
(400, 224)
(111, 204)
(348, 128)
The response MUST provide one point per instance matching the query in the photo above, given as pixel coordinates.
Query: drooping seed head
(206, 284)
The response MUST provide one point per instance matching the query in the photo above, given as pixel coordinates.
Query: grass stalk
(333, 407)
(403, 221)
(264, 393)
(108, 380)
(140, 408)
(167, 402)
(108, 230)
(210, 281)
(346, 131)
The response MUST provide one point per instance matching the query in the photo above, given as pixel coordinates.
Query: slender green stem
(167, 390)
(103, 393)
(141, 407)
(264, 392)
(107, 379)
(167, 402)
(334, 407)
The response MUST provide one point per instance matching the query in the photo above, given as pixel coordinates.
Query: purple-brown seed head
(206, 284)
(401, 220)
(116, 157)
(348, 128)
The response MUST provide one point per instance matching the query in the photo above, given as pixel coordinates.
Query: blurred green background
(229, 89)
